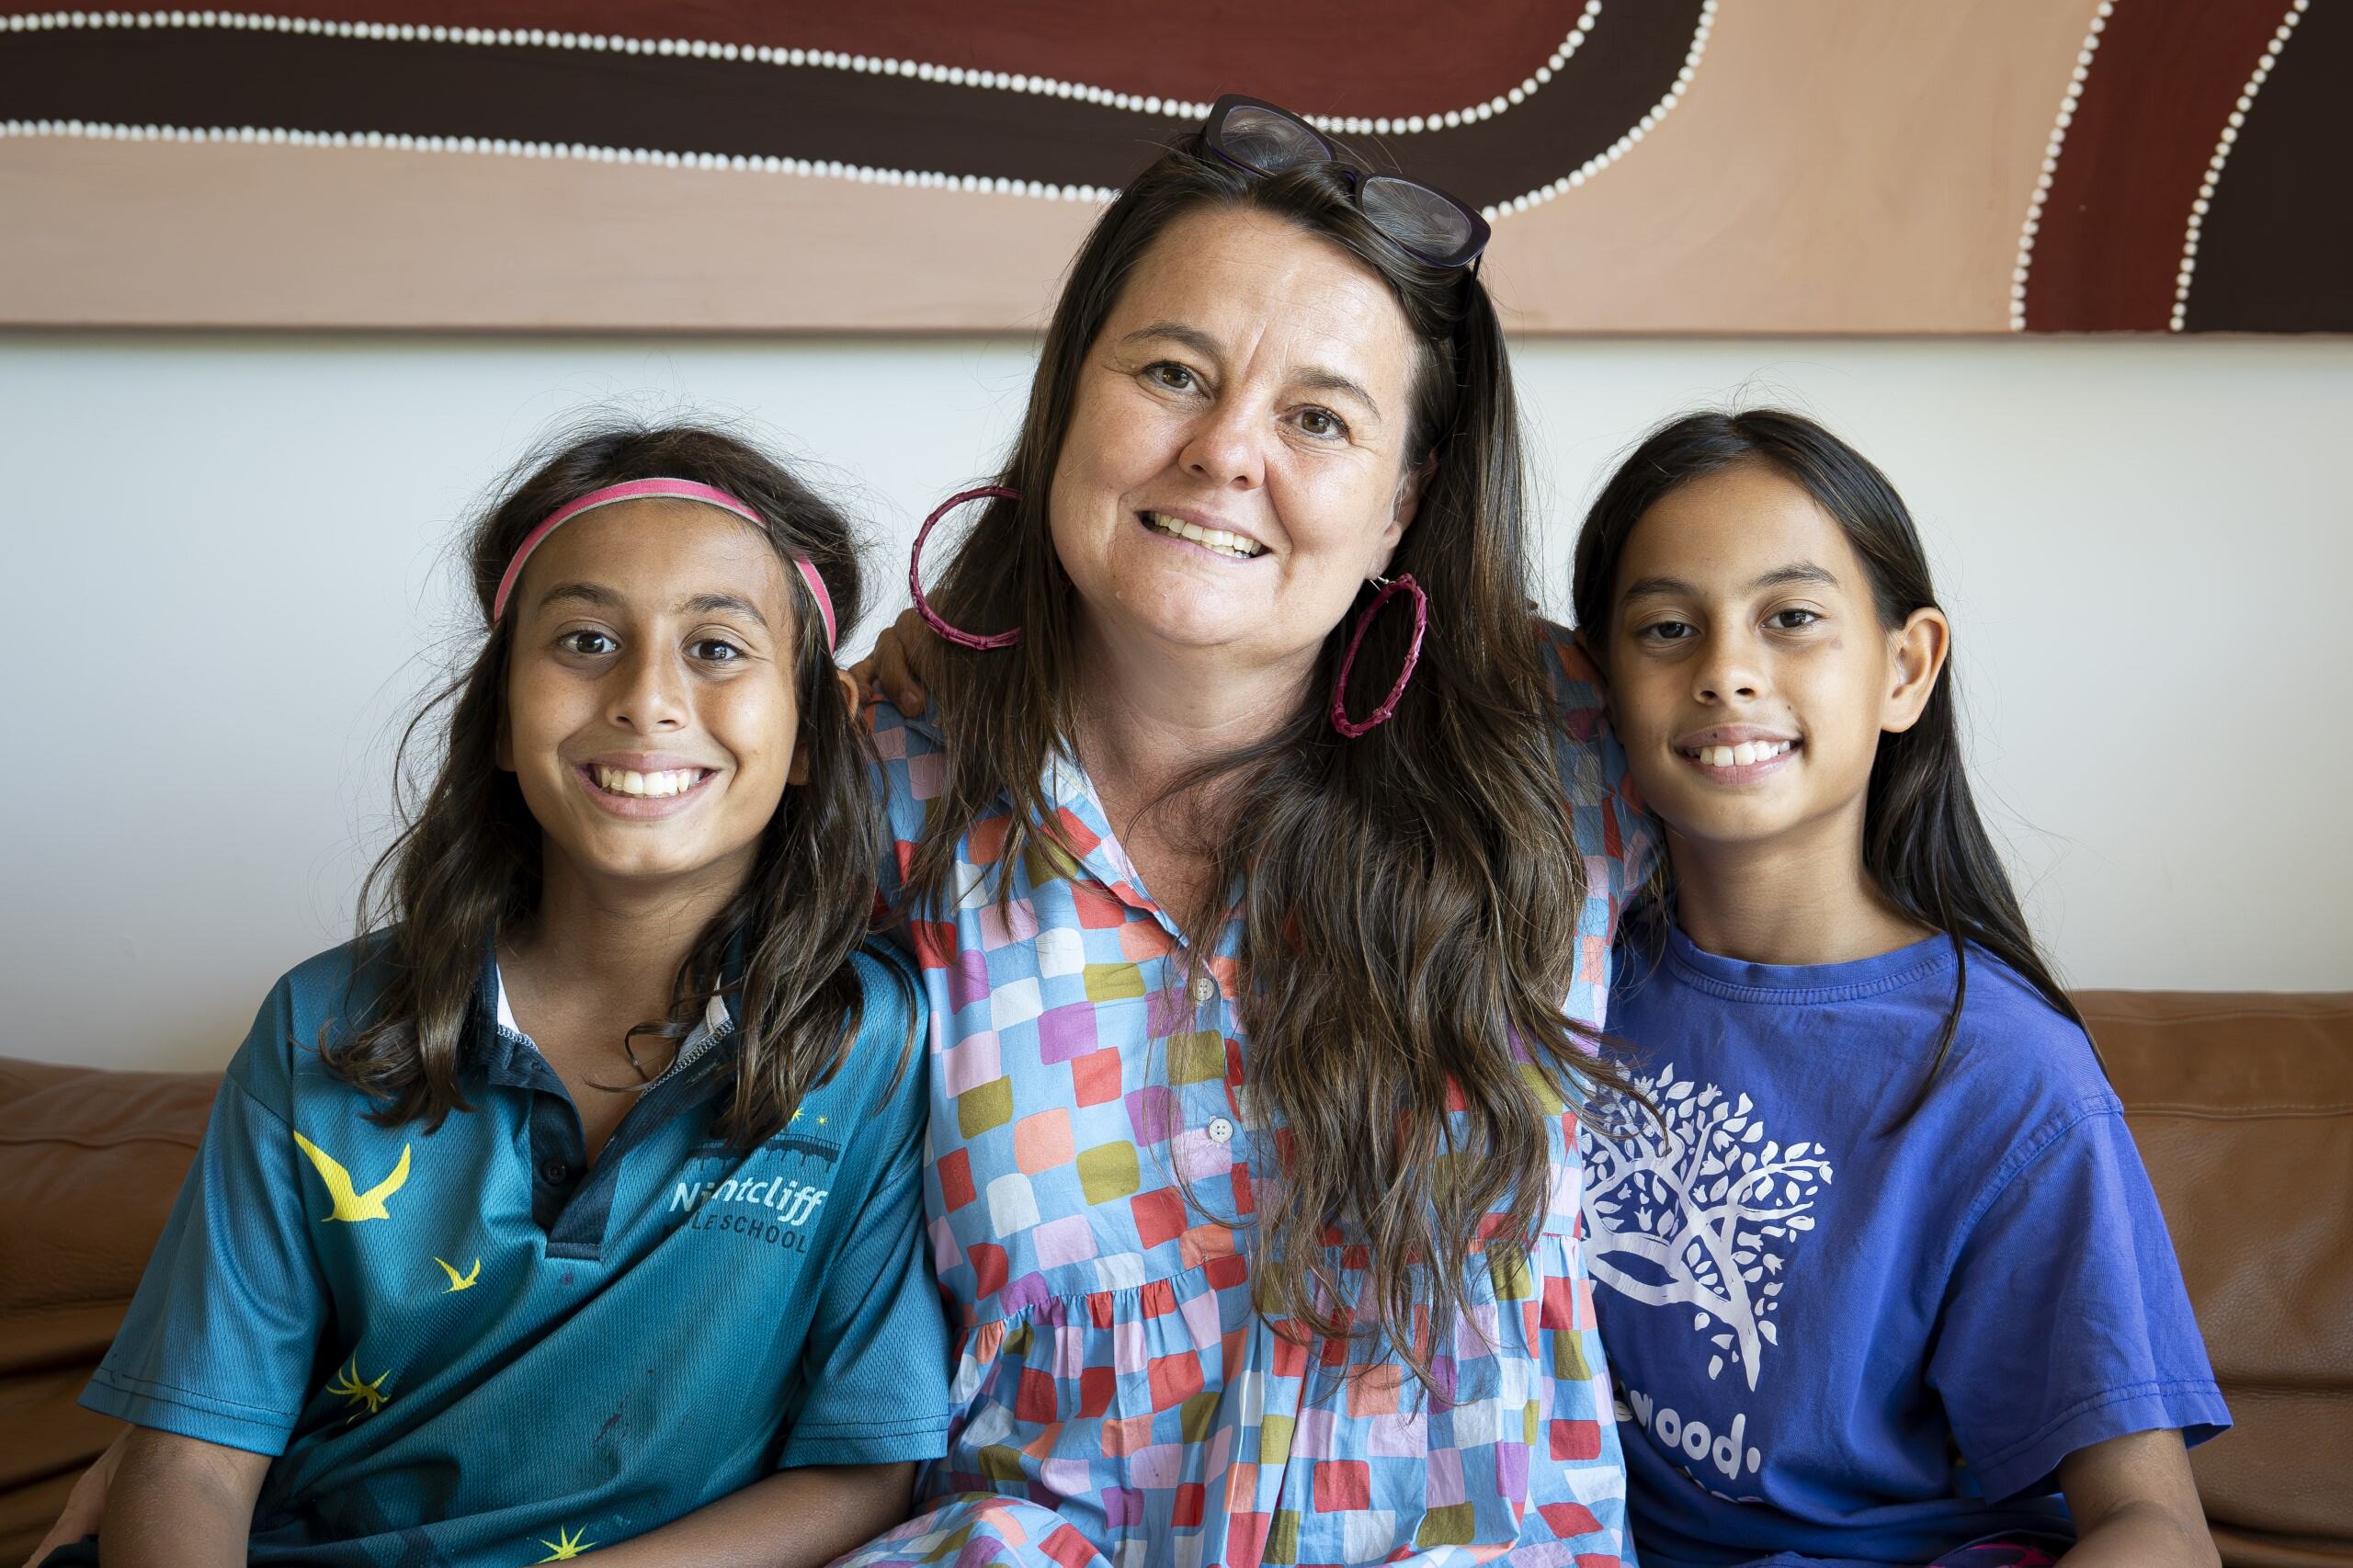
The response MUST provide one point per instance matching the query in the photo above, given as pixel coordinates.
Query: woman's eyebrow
(1192, 338)
(1317, 379)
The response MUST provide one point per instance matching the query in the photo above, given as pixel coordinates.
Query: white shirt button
(1220, 1129)
(1204, 990)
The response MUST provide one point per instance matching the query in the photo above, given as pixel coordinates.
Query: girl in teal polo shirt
(577, 1207)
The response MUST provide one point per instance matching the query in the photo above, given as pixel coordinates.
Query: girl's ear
(1919, 650)
(846, 687)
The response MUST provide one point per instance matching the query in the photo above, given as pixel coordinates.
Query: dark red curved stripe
(2161, 87)
(1367, 57)
(2276, 254)
(206, 77)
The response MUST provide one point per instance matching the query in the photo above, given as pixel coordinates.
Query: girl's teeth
(651, 786)
(1743, 755)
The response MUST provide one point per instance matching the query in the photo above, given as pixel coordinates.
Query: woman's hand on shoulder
(903, 656)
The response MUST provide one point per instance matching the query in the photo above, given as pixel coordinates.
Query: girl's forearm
(177, 1502)
(2144, 1536)
(2135, 1505)
(795, 1518)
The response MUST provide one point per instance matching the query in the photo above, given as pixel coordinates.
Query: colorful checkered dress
(1116, 1398)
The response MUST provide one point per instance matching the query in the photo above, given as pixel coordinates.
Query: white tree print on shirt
(1699, 1208)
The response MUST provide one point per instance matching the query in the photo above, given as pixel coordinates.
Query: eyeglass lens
(1269, 142)
(1413, 215)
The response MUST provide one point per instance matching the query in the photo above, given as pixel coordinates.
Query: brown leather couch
(2242, 1103)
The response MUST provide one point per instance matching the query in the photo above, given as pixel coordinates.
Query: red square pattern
(1569, 1520)
(1095, 1385)
(1160, 1216)
(989, 1268)
(1176, 1379)
(1576, 1439)
(1034, 1402)
(956, 1188)
(1069, 1548)
(1096, 1076)
(1343, 1486)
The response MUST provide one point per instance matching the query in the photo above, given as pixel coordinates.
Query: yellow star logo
(349, 1205)
(459, 1282)
(796, 1113)
(347, 1383)
(566, 1545)
(821, 1121)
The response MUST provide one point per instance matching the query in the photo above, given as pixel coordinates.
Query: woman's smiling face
(650, 713)
(1236, 464)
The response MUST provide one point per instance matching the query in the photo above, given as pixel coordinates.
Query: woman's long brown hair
(467, 860)
(1410, 918)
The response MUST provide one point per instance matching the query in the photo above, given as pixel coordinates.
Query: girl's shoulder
(2010, 1024)
(887, 1061)
(313, 1006)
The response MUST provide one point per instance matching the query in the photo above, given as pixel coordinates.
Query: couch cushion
(2242, 1103)
(89, 1163)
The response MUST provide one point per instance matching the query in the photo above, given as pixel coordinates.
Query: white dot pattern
(2188, 273)
(1625, 144)
(802, 59)
(2075, 80)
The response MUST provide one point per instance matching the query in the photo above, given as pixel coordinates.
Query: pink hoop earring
(1381, 715)
(931, 616)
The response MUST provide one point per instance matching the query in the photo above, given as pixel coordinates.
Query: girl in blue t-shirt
(576, 1205)
(1878, 1267)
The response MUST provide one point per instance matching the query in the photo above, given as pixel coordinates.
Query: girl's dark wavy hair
(1923, 846)
(1410, 914)
(467, 860)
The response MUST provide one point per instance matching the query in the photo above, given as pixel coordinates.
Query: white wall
(225, 580)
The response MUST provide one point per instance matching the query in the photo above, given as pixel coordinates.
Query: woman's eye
(1665, 630)
(589, 644)
(1170, 375)
(1792, 620)
(1322, 422)
(715, 651)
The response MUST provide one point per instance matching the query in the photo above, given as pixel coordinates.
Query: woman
(1256, 1018)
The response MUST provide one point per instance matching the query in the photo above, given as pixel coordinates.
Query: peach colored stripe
(1834, 167)
(162, 234)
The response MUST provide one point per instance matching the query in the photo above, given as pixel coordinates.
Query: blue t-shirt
(471, 1346)
(1835, 1342)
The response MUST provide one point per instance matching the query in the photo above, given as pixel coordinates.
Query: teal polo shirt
(471, 1346)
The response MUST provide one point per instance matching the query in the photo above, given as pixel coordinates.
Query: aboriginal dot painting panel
(1651, 165)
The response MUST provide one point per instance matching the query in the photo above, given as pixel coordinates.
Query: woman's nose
(1224, 450)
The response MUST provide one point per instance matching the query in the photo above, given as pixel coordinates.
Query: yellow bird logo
(349, 1205)
(348, 1385)
(566, 1545)
(459, 1281)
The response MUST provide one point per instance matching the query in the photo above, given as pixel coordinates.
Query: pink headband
(639, 490)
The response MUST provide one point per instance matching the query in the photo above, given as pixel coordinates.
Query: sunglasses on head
(1427, 222)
